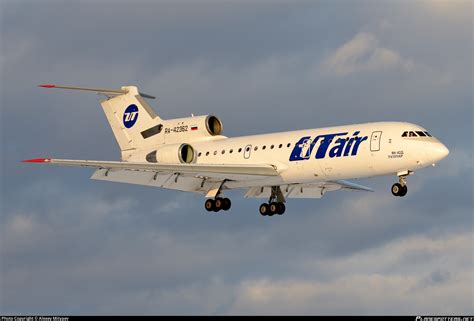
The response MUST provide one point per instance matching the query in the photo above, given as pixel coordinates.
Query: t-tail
(137, 127)
(129, 115)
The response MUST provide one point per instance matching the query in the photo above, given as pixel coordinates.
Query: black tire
(264, 209)
(209, 205)
(273, 208)
(396, 189)
(281, 208)
(403, 191)
(218, 204)
(226, 204)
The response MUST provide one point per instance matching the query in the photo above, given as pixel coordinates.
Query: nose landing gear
(400, 189)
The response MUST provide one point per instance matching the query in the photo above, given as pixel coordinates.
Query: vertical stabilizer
(134, 123)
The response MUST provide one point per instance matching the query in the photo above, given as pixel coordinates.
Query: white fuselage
(324, 154)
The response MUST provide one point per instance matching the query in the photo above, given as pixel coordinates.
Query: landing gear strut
(215, 205)
(275, 204)
(400, 189)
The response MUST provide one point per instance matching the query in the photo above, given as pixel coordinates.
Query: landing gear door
(375, 141)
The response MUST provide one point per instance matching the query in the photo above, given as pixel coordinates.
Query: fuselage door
(375, 141)
(247, 151)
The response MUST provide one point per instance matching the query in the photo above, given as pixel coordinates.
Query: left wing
(315, 190)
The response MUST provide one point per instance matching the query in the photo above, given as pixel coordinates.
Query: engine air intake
(186, 153)
(213, 125)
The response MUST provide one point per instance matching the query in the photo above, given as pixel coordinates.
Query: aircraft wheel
(218, 204)
(273, 208)
(397, 189)
(226, 204)
(264, 209)
(209, 205)
(403, 191)
(281, 208)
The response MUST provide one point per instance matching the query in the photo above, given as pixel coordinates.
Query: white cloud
(375, 281)
(364, 54)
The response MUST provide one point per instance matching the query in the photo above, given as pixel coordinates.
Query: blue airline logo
(343, 146)
(130, 116)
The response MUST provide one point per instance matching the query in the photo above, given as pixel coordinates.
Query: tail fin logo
(130, 116)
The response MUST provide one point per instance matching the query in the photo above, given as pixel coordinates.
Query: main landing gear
(275, 204)
(272, 209)
(400, 189)
(215, 205)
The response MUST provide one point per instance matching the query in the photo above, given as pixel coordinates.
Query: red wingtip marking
(47, 86)
(37, 160)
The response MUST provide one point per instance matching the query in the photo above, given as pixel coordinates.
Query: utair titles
(344, 146)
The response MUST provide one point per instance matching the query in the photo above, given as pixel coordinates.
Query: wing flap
(163, 180)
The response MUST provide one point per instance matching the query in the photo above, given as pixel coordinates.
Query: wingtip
(37, 160)
(47, 86)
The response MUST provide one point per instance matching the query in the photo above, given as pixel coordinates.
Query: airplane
(191, 154)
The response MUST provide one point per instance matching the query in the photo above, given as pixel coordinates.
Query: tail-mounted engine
(191, 129)
(172, 154)
(173, 140)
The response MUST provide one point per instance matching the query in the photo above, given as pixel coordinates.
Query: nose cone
(437, 152)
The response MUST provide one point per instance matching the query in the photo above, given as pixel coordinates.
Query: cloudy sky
(70, 245)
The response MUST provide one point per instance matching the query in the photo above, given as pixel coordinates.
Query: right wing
(199, 169)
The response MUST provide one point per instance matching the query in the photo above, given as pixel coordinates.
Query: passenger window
(405, 134)
(412, 134)
(271, 147)
(288, 145)
(223, 151)
(215, 152)
(230, 152)
(421, 134)
(428, 134)
(247, 149)
(280, 146)
(256, 147)
(264, 147)
(207, 153)
(240, 149)
(199, 155)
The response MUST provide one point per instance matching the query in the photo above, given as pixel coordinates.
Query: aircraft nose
(438, 151)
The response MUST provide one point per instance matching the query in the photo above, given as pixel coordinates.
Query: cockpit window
(428, 134)
(405, 134)
(421, 134)
(412, 134)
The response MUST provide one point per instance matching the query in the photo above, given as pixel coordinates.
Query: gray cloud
(110, 248)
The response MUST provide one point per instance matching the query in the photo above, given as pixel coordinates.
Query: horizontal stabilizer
(104, 91)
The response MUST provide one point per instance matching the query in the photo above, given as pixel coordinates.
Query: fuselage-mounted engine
(172, 154)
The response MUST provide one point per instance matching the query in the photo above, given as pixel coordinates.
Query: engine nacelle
(191, 128)
(172, 154)
(173, 137)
